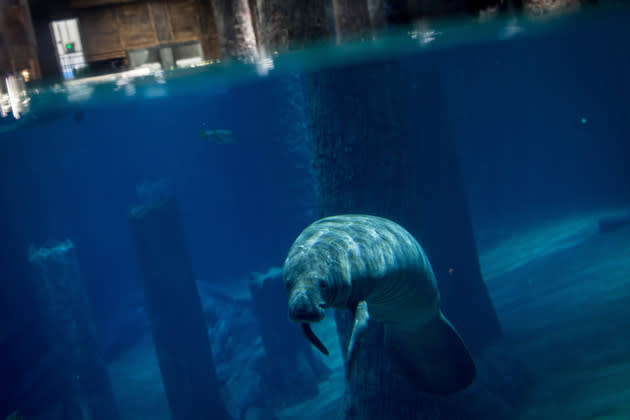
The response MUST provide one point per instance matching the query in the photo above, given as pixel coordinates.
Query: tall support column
(382, 146)
(352, 19)
(77, 362)
(284, 24)
(235, 24)
(175, 313)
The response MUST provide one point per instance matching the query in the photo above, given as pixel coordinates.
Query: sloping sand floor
(327, 404)
(567, 312)
(138, 385)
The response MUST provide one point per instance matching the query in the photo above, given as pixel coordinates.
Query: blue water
(540, 123)
(241, 204)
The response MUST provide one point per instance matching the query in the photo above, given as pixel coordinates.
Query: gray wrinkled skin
(339, 261)
(376, 269)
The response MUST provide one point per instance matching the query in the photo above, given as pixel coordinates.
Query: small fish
(217, 136)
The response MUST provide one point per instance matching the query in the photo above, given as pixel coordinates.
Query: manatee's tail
(433, 357)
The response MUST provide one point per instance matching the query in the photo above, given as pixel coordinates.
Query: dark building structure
(18, 46)
(108, 35)
(113, 33)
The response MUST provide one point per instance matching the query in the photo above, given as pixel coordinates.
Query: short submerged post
(87, 391)
(174, 309)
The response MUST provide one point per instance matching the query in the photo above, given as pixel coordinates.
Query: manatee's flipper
(361, 317)
(433, 357)
(315, 341)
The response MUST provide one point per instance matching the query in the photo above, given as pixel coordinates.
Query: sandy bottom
(567, 310)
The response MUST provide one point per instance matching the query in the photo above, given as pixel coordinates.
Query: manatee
(376, 269)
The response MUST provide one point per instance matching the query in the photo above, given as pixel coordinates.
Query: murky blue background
(540, 123)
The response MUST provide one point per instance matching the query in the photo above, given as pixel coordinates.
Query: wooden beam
(210, 38)
(100, 34)
(136, 26)
(184, 20)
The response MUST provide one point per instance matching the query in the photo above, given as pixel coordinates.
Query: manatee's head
(313, 284)
(307, 285)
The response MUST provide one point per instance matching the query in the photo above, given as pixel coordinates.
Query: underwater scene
(429, 224)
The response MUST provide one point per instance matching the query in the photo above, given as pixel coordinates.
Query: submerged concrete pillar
(382, 146)
(175, 314)
(85, 389)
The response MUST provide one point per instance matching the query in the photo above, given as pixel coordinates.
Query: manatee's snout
(303, 307)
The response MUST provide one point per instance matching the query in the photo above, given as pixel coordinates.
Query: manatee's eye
(325, 289)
